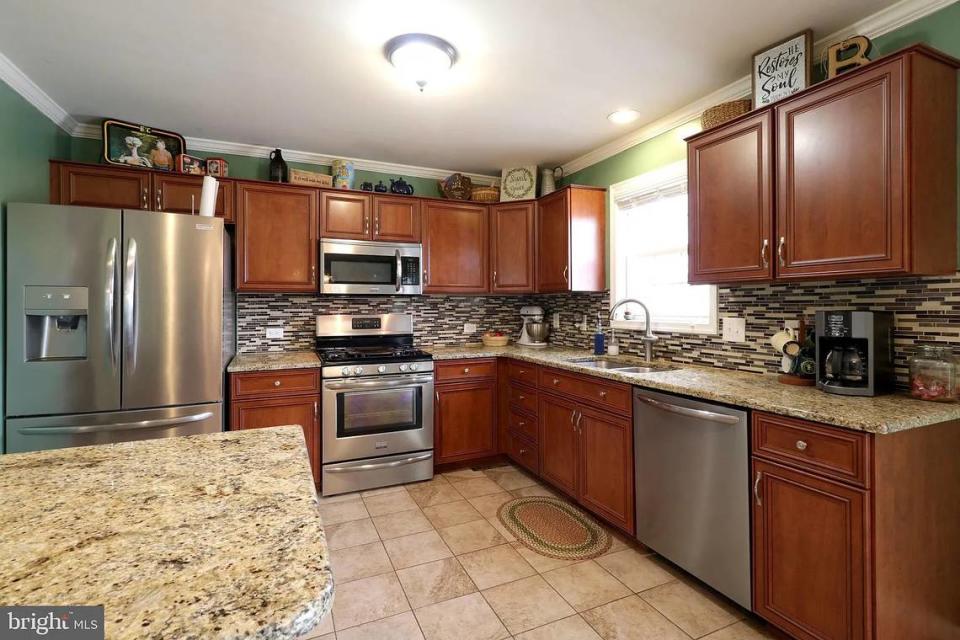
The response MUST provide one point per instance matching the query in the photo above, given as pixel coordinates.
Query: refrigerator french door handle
(118, 426)
(130, 320)
(110, 301)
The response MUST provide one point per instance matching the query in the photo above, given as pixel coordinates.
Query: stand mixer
(534, 331)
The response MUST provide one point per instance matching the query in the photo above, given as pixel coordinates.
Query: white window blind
(649, 242)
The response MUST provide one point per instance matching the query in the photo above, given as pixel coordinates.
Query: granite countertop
(209, 536)
(880, 414)
(273, 360)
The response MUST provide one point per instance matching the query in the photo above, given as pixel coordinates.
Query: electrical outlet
(583, 322)
(469, 327)
(556, 319)
(274, 333)
(734, 330)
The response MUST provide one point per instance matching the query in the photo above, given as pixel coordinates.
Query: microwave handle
(399, 270)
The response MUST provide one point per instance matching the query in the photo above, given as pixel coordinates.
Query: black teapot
(400, 187)
(380, 188)
(366, 186)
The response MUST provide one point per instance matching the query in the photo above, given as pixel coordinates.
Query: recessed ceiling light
(623, 116)
(420, 56)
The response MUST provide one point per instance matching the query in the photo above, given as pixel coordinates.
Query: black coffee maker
(855, 352)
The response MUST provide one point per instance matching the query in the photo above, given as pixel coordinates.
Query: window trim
(664, 177)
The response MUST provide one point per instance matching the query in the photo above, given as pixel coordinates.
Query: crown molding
(19, 82)
(873, 26)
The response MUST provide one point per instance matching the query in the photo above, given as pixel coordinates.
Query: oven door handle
(379, 465)
(378, 383)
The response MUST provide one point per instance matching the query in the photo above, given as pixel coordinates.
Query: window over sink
(648, 245)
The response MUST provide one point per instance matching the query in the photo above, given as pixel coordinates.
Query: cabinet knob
(556, 381)
(466, 369)
(522, 397)
(276, 383)
(603, 394)
(521, 423)
(801, 445)
(523, 452)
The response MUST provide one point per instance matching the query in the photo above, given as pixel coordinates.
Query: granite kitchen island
(211, 536)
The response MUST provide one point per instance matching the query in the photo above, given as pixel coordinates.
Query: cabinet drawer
(522, 452)
(522, 423)
(454, 370)
(263, 384)
(607, 395)
(522, 372)
(523, 398)
(824, 450)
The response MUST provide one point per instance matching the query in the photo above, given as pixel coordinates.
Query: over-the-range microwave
(361, 267)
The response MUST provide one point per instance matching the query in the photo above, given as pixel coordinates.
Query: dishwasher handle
(689, 412)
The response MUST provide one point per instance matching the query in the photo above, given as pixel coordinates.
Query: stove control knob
(403, 367)
(414, 366)
(345, 371)
(357, 370)
(381, 369)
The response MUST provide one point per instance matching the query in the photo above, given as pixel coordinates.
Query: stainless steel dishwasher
(693, 488)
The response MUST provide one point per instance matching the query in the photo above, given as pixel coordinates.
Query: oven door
(371, 417)
(370, 268)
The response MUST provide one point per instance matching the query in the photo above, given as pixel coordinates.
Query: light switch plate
(469, 327)
(274, 333)
(734, 330)
(556, 319)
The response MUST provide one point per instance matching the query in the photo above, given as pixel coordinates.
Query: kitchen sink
(623, 366)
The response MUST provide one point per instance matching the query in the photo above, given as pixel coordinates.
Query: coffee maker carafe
(854, 352)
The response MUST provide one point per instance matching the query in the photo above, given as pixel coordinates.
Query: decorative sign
(518, 183)
(847, 54)
(782, 69)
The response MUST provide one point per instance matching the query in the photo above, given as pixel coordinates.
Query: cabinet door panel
(455, 250)
(840, 204)
(558, 443)
(731, 203)
(181, 194)
(810, 554)
(276, 238)
(465, 421)
(606, 466)
(553, 248)
(345, 215)
(396, 219)
(302, 410)
(513, 247)
(93, 186)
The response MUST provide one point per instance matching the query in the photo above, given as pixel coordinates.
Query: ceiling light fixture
(623, 116)
(420, 56)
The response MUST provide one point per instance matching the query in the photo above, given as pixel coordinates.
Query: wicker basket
(485, 194)
(494, 341)
(725, 112)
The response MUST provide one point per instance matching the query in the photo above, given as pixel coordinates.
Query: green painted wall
(28, 139)
(87, 150)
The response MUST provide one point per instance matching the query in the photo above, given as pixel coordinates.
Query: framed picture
(518, 183)
(135, 145)
(782, 69)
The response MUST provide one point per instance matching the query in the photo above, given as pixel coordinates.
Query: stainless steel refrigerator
(113, 326)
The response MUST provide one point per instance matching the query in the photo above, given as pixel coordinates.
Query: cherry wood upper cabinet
(98, 186)
(177, 193)
(276, 237)
(571, 225)
(465, 420)
(455, 249)
(513, 247)
(345, 215)
(730, 195)
(396, 219)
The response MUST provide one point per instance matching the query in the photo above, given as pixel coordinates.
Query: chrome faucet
(648, 336)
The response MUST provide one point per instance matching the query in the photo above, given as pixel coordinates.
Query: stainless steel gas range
(377, 424)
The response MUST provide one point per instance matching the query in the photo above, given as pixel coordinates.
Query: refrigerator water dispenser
(55, 323)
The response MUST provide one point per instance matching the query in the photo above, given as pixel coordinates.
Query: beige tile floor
(431, 561)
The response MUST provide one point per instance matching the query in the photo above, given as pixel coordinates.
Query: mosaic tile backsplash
(927, 310)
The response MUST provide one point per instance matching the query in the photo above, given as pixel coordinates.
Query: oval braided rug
(554, 528)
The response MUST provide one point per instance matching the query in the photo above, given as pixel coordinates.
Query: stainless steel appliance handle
(756, 488)
(700, 414)
(118, 426)
(110, 300)
(377, 383)
(130, 321)
(399, 264)
(380, 465)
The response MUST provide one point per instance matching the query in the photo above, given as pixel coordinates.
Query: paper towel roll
(208, 196)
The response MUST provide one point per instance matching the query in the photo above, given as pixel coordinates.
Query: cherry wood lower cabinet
(277, 398)
(559, 443)
(465, 414)
(852, 532)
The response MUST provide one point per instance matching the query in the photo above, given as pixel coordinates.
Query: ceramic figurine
(343, 174)
(278, 167)
(380, 188)
(366, 186)
(400, 187)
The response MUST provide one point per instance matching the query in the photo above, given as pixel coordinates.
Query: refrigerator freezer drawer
(57, 432)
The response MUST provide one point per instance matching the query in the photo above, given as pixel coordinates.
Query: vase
(278, 167)
(343, 174)
(547, 182)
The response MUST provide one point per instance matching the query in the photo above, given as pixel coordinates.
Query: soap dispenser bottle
(598, 338)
